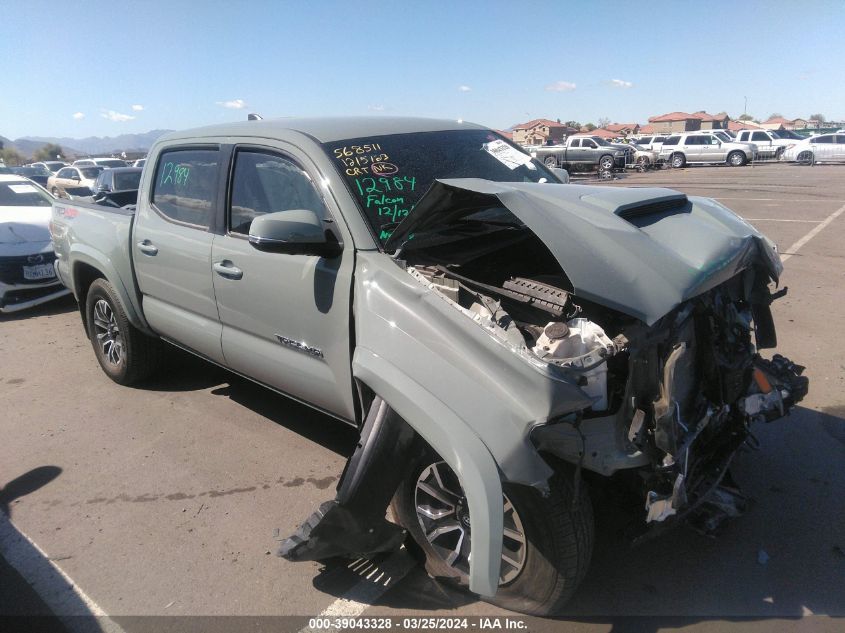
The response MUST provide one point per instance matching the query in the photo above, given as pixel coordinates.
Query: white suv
(769, 145)
(704, 148)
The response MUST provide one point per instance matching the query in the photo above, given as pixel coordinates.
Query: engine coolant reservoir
(585, 343)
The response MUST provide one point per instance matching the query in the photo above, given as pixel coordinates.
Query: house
(623, 129)
(736, 126)
(648, 128)
(605, 133)
(539, 131)
(779, 123)
(676, 122)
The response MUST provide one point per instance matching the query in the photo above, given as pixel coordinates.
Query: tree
(50, 151)
(12, 157)
(590, 127)
(746, 117)
(818, 117)
(775, 115)
(604, 121)
(574, 124)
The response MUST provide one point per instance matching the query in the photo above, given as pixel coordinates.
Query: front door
(171, 249)
(286, 318)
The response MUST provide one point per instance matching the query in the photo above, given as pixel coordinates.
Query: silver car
(702, 148)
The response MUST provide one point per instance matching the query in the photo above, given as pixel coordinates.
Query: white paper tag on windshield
(23, 188)
(507, 155)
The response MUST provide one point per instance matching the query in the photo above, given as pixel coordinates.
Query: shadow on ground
(62, 305)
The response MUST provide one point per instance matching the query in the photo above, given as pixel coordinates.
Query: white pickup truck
(769, 144)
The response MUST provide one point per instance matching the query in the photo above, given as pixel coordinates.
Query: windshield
(23, 194)
(90, 172)
(56, 165)
(600, 140)
(387, 175)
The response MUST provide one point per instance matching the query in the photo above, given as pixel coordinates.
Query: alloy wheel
(108, 333)
(443, 514)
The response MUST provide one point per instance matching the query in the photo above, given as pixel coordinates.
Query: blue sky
(108, 68)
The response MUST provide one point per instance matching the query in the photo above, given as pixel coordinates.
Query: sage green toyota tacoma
(504, 342)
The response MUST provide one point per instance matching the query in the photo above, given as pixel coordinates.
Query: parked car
(73, 181)
(494, 334)
(767, 142)
(698, 148)
(585, 152)
(108, 163)
(643, 158)
(27, 275)
(117, 179)
(824, 148)
(35, 174)
(50, 165)
(650, 142)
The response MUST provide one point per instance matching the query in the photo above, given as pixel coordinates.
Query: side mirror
(295, 232)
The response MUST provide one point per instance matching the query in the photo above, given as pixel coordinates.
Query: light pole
(745, 107)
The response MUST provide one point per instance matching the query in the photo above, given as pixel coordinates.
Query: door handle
(147, 248)
(227, 269)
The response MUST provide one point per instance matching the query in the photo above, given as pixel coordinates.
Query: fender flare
(82, 254)
(459, 446)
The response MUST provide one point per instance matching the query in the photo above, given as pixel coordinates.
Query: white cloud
(234, 104)
(620, 83)
(464, 88)
(78, 115)
(137, 107)
(376, 107)
(111, 115)
(561, 86)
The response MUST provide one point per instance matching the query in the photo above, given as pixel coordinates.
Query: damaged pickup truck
(502, 341)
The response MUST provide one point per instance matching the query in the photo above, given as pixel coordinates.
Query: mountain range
(28, 145)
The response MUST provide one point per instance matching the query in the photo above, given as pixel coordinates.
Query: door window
(184, 185)
(822, 139)
(760, 136)
(265, 183)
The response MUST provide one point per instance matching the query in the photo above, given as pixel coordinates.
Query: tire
(545, 566)
(806, 158)
(737, 159)
(678, 160)
(606, 163)
(550, 161)
(779, 153)
(643, 164)
(126, 354)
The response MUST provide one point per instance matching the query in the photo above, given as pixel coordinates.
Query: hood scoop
(618, 202)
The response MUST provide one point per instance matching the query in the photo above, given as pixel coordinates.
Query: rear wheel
(126, 354)
(547, 543)
(806, 158)
(678, 160)
(737, 159)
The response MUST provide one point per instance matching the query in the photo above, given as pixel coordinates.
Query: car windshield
(90, 172)
(21, 193)
(387, 175)
(112, 163)
(600, 140)
(126, 180)
(55, 165)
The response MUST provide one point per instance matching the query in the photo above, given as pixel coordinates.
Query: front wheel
(550, 161)
(643, 164)
(606, 163)
(678, 160)
(126, 354)
(546, 545)
(737, 159)
(806, 158)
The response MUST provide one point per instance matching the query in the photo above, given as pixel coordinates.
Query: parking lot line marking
(59, 592)
(781, 220)
(366, 591)
(815, 231)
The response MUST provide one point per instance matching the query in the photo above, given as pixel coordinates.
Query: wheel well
(83, 276)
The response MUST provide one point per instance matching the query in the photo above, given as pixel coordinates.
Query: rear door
(692, 147)
(286, 318)
(171, 248)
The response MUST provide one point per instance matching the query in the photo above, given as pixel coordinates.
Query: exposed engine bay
(677, 397)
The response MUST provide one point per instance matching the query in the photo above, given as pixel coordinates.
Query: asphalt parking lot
(162, 501)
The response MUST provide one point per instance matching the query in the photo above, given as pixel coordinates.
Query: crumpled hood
(641, 251)
(19, 225)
